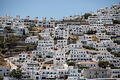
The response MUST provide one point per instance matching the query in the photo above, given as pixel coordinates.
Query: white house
(113, 29)
(73, 73)
(85, 28)
(102, 36)
(45, 44)
(61, 43)
(31, 39)
(86, 37)
(115, 62)
(4, 71)
(90, 64)
(115, 73)
(75, 29)
(61, 33)
(75, 46)
(59, 57)
(79, 55)
(21, 30)
(23, 56)
(46, 35)
(96, 73)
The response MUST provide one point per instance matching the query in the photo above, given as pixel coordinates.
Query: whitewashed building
(31, 39)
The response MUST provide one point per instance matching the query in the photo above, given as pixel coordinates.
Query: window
(37, 77)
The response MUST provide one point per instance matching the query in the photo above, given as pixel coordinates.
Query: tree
(2, 44)
(11, 41)
(3, 51)
(70, 63)
(16, 73)
(8, 29)
(83, 67)
(40, 37)
(51, 34)
(118, 75)
(103, 64)
(86, 15)
(117, 41)
(1, 78)
(109, 49)
(30, 47)
(116, 54)
(71, 40)
(67, 53)
(31, 28)
(94, 15)
(12, 38)
(88, 47)
(116, 22)
(91, 32)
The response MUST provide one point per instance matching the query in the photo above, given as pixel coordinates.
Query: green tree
(40, 37)
(11, 41)
(116, 22)
(86, 15)
(117, 41)
(67, 53)
(71, 40)
(1, 78)
(31, 28)
(94, 15)
(70, 63)
(109, 49)
(103, 64)
(12, 38)
(83, 67)
(91, 32)
(118, 75)
(116, 54)
(88, 47)
(16, 73)
(30, 47)
(51, 34)
(2, 44)
(8, 29)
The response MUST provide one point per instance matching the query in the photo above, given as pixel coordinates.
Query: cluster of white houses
(70, 52)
